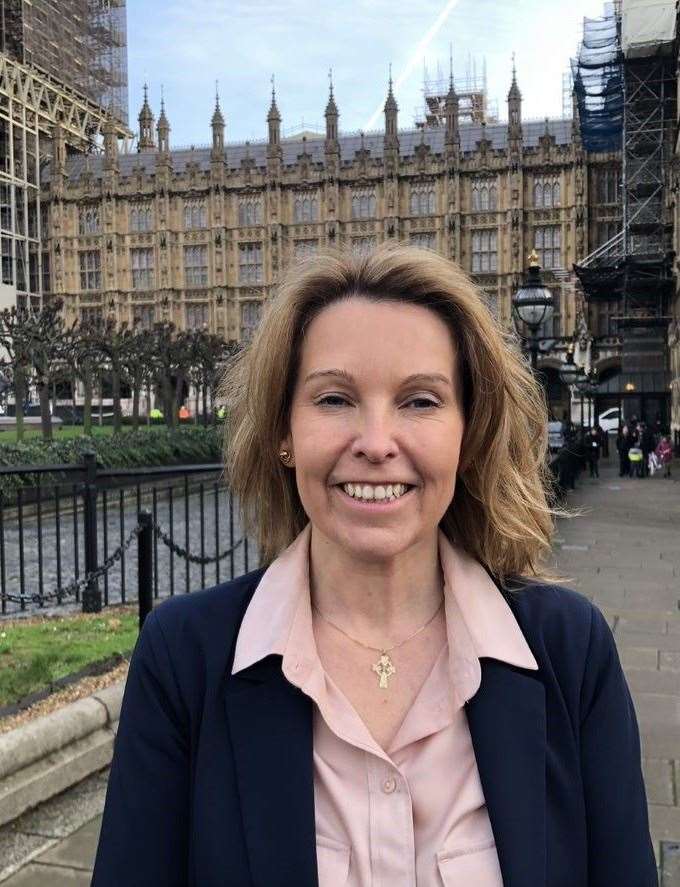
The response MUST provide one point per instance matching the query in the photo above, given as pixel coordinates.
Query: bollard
(92, 596)
(144, 566)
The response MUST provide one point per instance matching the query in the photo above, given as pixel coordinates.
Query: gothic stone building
(200, 236)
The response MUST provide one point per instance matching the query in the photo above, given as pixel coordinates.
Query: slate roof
(470, 134)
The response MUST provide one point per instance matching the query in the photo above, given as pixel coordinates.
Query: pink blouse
(413, 813)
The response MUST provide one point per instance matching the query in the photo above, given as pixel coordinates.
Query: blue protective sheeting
(598, 83)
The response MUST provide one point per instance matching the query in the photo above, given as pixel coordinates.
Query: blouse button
(389, 785)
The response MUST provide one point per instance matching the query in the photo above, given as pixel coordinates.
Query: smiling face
(372, 426)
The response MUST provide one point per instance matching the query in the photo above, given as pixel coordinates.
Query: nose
(374, 438)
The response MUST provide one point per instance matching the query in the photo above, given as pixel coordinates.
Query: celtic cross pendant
(385, 669)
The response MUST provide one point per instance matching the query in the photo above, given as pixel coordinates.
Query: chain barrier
(81, 584)
(77, 584)
(194, 558)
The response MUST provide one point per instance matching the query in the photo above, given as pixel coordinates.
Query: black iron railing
(79, 521)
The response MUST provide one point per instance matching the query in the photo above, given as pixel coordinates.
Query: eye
(323, 401)
(426, 401)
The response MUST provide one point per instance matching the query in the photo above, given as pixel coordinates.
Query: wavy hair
(503, 509)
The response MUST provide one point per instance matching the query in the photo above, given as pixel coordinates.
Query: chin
(374, 543)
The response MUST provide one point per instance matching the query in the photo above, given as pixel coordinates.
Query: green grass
(34, 654)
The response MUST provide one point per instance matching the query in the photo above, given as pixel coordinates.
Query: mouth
(374, 505)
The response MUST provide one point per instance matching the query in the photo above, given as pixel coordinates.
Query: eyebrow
(348, 377)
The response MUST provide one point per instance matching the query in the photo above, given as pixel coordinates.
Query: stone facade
(200, 236)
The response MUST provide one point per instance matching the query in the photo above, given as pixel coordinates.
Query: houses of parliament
(199, 236)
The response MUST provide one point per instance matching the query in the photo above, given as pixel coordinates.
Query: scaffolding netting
(598, 83)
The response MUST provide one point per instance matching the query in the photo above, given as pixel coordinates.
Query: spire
(217, 126)
(110, 143)
(146, 138)
(332, 116)
(391, 102)
(163, 128)
(274, 126)
(217, 117)
(451, 94)
(514, 111)
(391, 139)
(331, 107)
(514, 93)
(273, 110)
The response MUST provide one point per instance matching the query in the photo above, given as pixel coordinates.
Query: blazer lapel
(270, 722)
(508, 728)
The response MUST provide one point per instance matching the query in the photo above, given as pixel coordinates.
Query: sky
(184, 46)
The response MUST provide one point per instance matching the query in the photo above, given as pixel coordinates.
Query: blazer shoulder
(549, 604)
(211, 616)
(561, 626)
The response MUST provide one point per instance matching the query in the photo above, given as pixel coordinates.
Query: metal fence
(65, 540)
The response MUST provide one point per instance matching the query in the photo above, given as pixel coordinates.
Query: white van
(610, 419)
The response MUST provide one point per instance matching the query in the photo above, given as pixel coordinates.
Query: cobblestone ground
(623, 555)
(120, 583)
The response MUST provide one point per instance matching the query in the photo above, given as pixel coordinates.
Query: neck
(383, 599)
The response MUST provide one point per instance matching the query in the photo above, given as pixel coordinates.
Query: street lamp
(532, 305)
(570, 374)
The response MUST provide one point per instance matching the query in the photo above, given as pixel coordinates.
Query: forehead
(362, 330)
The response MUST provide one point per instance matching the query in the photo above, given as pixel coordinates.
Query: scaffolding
(473, 101)
(63, 67)
(598, 83)
(627, 102)
(624, 81)
(82, 44)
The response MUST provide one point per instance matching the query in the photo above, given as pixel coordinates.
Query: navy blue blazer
(212, 785)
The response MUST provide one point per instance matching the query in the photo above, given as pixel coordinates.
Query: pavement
(623, 554)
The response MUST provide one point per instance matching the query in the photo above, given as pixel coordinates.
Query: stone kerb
(43, 757)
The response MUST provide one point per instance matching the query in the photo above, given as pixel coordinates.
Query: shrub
(188, 445)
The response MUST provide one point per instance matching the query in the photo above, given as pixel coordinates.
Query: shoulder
(205, 619)
(566, 632)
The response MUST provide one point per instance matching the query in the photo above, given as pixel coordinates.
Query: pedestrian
(604, 440)
(593, 444)
(402, 692)
(636, 460)
(664, 452)
(624, 441)
(647, 445)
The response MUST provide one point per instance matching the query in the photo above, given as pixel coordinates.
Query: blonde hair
(502, 512)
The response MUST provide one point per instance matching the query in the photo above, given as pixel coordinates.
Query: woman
(594, 441)
(624, 442)
(402, 695)
(664, 452)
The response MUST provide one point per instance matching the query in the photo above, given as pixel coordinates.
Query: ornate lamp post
(532, 305)
(570, 373)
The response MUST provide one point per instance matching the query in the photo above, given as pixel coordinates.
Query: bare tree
(16, 359)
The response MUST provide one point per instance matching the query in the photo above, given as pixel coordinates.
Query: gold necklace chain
(384, 668)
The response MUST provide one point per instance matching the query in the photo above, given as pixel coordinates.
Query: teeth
(364, 491)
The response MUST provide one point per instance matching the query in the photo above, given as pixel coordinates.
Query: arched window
(484, 195)
(363, 204)
(538, 194)
(195, 215)
(88, 220)
(423, 200)
(250, 210)
(493, 197)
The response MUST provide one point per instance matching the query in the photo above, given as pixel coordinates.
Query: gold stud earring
(285, 456)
